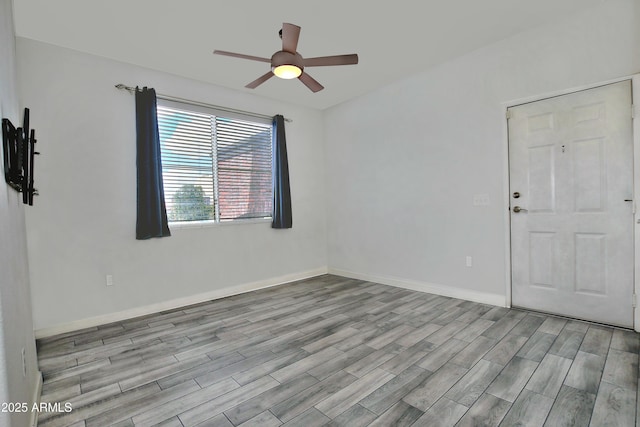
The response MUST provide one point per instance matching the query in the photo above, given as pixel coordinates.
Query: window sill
(208, 224)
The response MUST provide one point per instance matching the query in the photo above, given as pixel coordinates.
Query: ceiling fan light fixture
(289, 64)
(287, 71)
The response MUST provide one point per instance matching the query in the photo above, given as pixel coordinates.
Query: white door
(571, 183)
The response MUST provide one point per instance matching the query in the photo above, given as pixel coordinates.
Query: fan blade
(322, 61)
(242, 56)
(257, 82)
(310, 82)
(290, 35)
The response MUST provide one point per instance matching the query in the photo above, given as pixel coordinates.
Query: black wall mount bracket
(18, 145)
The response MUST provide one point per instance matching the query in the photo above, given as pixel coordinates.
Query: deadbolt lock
(516, 195)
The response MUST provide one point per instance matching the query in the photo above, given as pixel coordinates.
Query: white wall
(16, 327)
(401, 166)
(83, 224)
(404, 162)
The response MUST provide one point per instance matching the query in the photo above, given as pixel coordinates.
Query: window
(215, 167)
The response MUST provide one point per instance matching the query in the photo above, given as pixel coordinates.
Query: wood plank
(291, 371)
(571, 408)
(283, 359)
(474, 330)
(495, 314)
(615, 406)
(578, 325)
(537, 346)
(84, 400)
(263, 419)
(403, 360)
(418, 334)
(585, 372)
(196, 371)
(390, 336)
(552, 325)
(262, 402)
(354, 392)
(160, 372)
(356, 416)
(512, 379)
(327, 341)
(373, 360)
(434, 387)
(310, 418)
(475, 351)
(340, 362)
(298, 404)
(506, 348)
(444, 412)
(623, 340)
(549, 376)
(61, 394)
(153, 415)
(474, 311)
(446, 333)
(597, 341)
(441, 355)
(487, 411)
(386, 396)
(473, 384)
(529, 410)
(567, 343)
(399, 415)
(211, 408)
(144, 404)
(528, 325)
(101, 407)
(621, 369)
(502, 327)
(365, 335)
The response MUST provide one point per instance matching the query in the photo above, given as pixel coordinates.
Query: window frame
(218, 113)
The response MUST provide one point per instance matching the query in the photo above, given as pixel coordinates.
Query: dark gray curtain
(151, 211)
(281, 191)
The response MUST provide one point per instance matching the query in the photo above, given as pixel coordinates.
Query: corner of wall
(19, 375)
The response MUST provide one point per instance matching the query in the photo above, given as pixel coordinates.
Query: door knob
(517, 209)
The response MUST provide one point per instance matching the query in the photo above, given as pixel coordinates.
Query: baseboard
(37, 393)
(443, 290)
(448, 291)
(176, 303)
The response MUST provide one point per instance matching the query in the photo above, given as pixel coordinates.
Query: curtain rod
(199, 104)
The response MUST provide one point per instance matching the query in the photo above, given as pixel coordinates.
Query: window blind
(214, 168)
(244, 162)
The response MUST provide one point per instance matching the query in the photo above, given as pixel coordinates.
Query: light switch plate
(481, 200)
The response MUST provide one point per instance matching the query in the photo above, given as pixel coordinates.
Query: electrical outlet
(24, 363)
(109, 280)
(469, 261)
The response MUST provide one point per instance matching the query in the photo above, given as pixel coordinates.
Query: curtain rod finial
(125, 87)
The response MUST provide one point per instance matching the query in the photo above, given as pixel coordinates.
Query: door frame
(506, 200)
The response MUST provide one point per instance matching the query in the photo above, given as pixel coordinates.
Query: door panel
(541, 179)
(571, 161)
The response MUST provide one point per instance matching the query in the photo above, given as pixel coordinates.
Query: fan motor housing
(286, 58)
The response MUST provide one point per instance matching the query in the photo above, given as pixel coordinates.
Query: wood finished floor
(341, 352)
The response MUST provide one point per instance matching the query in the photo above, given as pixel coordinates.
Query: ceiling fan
(289, 64)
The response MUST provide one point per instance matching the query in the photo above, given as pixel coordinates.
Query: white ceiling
(392, 38)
